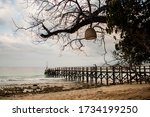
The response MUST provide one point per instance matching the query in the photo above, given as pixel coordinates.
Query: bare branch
(70, 42)
(73, 29)
(60, 19)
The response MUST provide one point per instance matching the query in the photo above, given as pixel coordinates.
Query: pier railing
(102, 75)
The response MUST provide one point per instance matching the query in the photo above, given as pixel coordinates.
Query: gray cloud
(2, 22)
(7, 1)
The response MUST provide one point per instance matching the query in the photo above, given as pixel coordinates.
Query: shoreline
(84, 92)
(11, 90)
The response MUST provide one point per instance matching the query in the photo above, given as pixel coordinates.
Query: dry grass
(117, 92)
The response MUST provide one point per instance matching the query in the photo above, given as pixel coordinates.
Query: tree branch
(101, 19)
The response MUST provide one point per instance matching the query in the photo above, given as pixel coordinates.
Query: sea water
(24, 75)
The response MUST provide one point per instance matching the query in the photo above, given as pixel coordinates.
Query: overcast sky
(18, 49)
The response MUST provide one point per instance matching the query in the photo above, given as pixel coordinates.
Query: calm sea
(23, 75)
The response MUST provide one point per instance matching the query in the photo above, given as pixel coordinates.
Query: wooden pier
(97, 75)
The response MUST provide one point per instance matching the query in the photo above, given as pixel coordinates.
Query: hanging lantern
(90, 34)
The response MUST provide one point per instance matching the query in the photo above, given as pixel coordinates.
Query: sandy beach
(114, 92)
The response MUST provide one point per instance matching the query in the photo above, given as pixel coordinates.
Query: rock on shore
(35, 88)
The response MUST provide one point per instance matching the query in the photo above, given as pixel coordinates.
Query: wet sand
(113, 92)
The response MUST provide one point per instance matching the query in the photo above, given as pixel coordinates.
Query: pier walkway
(98, 75)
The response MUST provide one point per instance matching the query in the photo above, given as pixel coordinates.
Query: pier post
(91, 75)
(140, 75)
(113, 74)
(130, 75)
(121, 75)
(82, 74)
(101, 76)
(107, 76)
(87, 75)
(127, 73)
(145, 75)
(95, 75)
